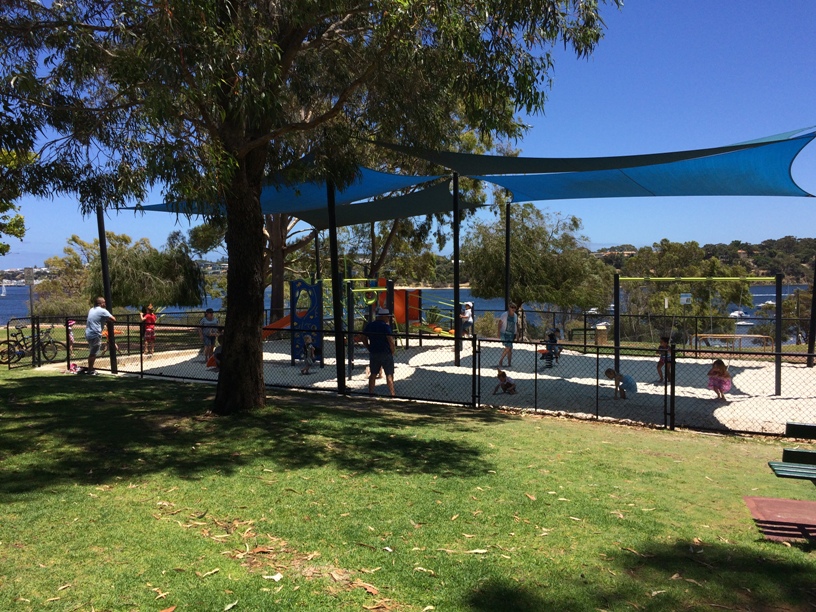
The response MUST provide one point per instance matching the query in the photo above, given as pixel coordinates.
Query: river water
(15, 303)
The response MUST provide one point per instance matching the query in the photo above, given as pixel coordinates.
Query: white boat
(743, 323)
(3, 293)
(738, 314)
(769, 303)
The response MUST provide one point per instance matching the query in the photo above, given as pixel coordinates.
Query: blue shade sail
(469, 164)
(436, 199)
(757, 168)
(307, 196)
(761, 170)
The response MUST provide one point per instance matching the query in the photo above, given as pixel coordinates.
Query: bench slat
(799, 455)
(805, 431)
(793, 470)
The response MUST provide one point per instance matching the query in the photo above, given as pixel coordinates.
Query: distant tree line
(790, 256)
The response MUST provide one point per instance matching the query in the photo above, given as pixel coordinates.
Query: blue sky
(669, 75)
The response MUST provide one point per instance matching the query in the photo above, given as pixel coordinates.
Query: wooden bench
(797, 462)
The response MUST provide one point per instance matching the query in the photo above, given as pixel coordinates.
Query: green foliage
(140, 274)
(485, 325)
(11, 223)
(548, 264)
(673, 259)
(215, 100)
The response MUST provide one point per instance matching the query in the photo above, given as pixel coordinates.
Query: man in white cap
(379, 340)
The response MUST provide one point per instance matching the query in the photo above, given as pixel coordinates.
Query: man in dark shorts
(379, 340)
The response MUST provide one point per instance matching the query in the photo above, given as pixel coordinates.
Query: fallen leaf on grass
(467, 535)
(160, 594)
(531, 497)
(427, 571)
(632, 550)
(231, 605)
(369, 588)
(370, 571)
(575, 518)
(693, 581)
(53, 599)
(475, 551)
(63, 587)
(170, 609)
(428, 608)
(210, 573)
(276, 577)
(454, 517)
(657, 593)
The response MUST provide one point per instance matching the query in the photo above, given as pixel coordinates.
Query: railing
(768, 388)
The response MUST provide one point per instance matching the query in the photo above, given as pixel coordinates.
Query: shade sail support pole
(337, 290)
(457, 321)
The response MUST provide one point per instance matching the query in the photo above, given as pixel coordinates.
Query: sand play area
(575, 386)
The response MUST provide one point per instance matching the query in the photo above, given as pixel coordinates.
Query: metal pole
(457, 322)
(812, 323)
(337, 288)
(616, 315)
(778, 347)
(317, 254)
(507, 256)
(106, 284)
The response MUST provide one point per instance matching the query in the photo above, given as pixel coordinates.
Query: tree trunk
(241, 379)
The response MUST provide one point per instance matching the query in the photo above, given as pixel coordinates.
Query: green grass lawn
(122, 494)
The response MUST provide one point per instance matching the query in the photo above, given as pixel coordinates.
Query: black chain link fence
(768, 388)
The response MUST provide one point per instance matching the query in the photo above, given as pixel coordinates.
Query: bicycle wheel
(49, 350)
(10, 352)
(6, 352)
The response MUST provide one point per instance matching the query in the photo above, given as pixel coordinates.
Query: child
(308, 354)
(506, 384)
(665, 359)
(623, 383)
(218, 353)
(553, 350)
(719, 380)
(149, 319)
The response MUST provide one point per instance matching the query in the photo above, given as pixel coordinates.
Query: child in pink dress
(719, 380)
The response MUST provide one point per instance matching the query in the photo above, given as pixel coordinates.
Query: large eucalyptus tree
(213, 99)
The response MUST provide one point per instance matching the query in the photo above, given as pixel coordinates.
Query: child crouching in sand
(623, 383)
(506, 384)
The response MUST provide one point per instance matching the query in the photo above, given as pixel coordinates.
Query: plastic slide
(282, 323)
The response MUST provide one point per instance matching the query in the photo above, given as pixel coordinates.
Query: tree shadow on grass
(75, 429)
(680, 576)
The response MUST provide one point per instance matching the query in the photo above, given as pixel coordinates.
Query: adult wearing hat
(378, 338)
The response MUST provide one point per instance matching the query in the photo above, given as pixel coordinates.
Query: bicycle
(19, 345)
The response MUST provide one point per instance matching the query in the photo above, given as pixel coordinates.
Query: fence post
(672, 368)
